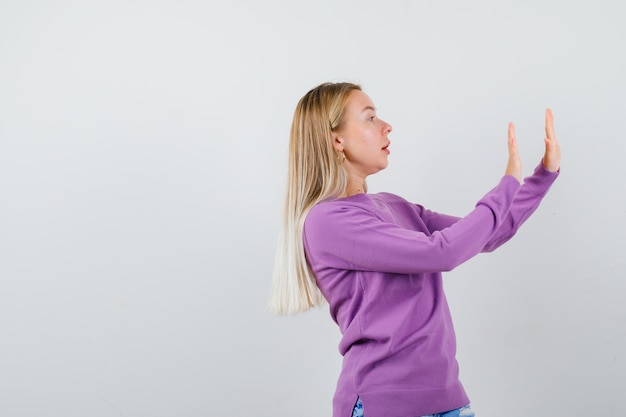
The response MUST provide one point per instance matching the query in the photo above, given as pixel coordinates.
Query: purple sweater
(378, 261)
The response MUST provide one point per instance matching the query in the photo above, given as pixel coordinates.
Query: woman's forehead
(358, 101)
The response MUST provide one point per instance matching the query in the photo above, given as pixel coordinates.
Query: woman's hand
(552, 156)
(514, 166)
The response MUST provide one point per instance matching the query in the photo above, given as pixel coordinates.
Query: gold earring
(342, 157)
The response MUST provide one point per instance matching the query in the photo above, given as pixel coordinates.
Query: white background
(142, 169)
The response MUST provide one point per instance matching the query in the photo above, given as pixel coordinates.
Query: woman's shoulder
(392, 198)
(365, 203)
(361, 200)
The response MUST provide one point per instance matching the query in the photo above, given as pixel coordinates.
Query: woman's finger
(512, 142)
(552, 156)
(550, 134)
(514, 165)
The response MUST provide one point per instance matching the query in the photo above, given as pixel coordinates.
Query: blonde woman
(378, 259)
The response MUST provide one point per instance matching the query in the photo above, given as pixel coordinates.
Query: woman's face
(362, 137)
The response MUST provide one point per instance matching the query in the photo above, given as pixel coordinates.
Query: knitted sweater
(378, 261)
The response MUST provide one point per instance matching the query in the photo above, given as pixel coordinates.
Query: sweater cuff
(541, 180)
(543, 171)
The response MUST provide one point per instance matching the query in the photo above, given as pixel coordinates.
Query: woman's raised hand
(552, 156)
(514, 166)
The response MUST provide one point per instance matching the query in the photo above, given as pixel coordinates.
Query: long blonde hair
(315, 173)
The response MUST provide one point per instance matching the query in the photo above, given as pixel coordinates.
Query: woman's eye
(371, 118)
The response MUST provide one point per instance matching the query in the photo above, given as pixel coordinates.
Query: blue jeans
(459, 412)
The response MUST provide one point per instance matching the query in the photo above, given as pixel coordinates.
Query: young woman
(377, 259)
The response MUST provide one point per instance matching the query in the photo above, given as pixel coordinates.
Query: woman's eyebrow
(366, 108)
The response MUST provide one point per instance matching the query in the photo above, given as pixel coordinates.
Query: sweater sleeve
(348, 236)
(525, 203)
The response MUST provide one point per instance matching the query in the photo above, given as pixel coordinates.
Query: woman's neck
(356, 185)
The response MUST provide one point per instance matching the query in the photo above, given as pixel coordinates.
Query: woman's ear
(337, 142)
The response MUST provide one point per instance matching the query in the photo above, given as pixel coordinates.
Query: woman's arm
(527, 200)
(347, 235)
(534, 189)
(525, 203)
